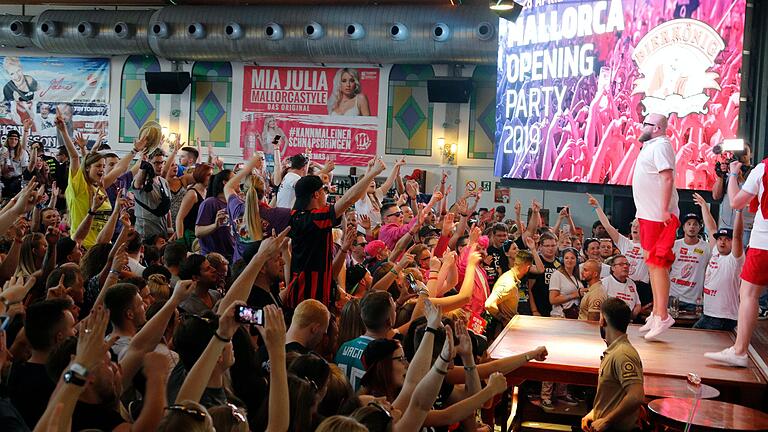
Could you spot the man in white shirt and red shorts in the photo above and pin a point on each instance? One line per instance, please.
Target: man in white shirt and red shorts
(754, 277)
(653, 188)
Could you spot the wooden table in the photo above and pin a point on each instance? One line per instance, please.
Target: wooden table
(575, 348)
(665, 387)
(709, 416)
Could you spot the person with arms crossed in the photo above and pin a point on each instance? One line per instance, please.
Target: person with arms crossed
(620, 384)
(620, 286)
(721, 282)
(754, 278)
(653, 189)
(589, 308)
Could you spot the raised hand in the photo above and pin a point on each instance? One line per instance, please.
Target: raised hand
(364, 221)
(448, 225)
(412, 188)
(27, 124)
(19, 229)
(227, 323)
(272, 246)
(433, 314)
(98, 199)
(593, 201)
(58, 291)
(699, 200)
(406, 260)
(449, 258)
(350, 233)
(474, 259)
(474, 234)
(182, 290)
(52, 236)
(464, 348)
(91, 346)
(16, 288)
(81, 142)
(449, 350)
(273, 330)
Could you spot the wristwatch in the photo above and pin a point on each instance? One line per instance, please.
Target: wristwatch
(76, 374)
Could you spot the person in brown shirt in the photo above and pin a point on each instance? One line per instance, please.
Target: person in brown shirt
(589, 309)
(620, 383)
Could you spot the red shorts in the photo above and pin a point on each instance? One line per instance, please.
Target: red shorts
(658, 238)
(755, 267)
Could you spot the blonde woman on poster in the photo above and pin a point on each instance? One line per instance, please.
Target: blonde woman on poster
(270, 131)
(347, 98)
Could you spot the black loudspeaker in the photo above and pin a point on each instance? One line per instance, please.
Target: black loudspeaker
(167, 82)
(449, 90)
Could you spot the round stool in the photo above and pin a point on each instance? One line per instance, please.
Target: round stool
(710, 415)
(665, 387)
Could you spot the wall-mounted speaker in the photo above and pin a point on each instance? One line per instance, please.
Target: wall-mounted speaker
(449, 90)
(167, 82)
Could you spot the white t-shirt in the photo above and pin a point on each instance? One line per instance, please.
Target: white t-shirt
(286, 195)
(721, 285)
(566, 286)
(626, 292)
(657, 155)
(687, 273)
(363, 207)
(754, 185)
(638, 270)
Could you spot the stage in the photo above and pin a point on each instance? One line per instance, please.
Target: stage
(575, 348)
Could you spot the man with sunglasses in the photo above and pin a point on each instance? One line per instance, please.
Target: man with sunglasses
(357, 252)
(653, 189)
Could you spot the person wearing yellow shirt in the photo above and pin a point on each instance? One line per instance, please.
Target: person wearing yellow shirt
(87, 179)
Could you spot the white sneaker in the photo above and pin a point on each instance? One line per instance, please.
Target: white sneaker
(648, 323)
(658, 327)
(728, 356)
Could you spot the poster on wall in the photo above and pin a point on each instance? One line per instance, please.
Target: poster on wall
(35, 89)
(330, 112)
(576, 79)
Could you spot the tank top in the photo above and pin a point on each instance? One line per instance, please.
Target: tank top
(191, 218)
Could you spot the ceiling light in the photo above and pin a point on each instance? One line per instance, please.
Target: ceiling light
(507, 9)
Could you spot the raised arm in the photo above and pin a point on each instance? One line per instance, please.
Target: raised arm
(106, 234)
(422, 359)
(231, 187)
(612, 231)
(358, 190)
(739, 197)
(85, 226)
(709, 220)
(387, 185)
(124, 163)
(196, 381)
(74, 156)
(273, 334)
(737, 246)
(166, 171)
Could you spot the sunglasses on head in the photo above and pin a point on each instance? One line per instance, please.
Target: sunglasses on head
(193, 412)
(381, 408)
(648, 124)
(397, 213)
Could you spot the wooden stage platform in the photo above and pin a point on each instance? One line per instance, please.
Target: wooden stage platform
(575, 348)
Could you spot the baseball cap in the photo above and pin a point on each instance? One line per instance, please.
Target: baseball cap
(304, 189)
(691, 216)
(723, 232)
(373, 248)
(427, 230)
(13, 132)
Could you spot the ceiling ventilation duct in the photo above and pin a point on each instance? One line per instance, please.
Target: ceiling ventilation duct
(115, 32)
(15, 31)
(348, 34)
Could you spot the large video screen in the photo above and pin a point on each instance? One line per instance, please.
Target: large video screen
(576, 78)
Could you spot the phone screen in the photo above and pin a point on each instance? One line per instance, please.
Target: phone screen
(411, 282)
(247, 315)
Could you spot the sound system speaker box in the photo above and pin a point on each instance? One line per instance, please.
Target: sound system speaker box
(167, 82)
(449, 90)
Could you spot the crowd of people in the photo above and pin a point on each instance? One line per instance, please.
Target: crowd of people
(161, 292)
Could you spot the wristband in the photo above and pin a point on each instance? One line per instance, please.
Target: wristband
(134, 151)
(91, 213)
(527, 357)
(441, 372)
(392, 270)
(443, 359)
(469, 368)
(114, 272)
(431, 330)
(221, 338)
(733, 174)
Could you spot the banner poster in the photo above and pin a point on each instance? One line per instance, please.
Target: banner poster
(36, 88)
(576, 79)
(331, 113)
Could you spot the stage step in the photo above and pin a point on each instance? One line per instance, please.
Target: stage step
(532, 426)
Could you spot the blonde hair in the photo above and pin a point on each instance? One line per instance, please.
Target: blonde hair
(159, 286)
(229, 418)
(310, 311)
(252, 215)
(27, 264)
(339, 423)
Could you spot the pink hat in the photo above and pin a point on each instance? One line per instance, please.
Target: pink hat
(373, 248)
